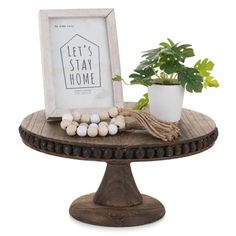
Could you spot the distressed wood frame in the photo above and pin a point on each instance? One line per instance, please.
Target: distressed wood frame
(52, 112)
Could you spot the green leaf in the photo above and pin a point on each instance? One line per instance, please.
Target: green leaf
(146, 63)
(204, 67)
(143, 66)
(169, 65)
(183, 47)
(135, 76)
(171, 42)
(146, 72)
(143, 102)
(164, 44)
(155, 50)
(188, 52)
(190, 80)
(117, 78)
(210, 82)
(143, 81)
(146, 96)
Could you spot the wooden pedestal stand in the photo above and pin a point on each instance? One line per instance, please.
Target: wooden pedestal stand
(118, 201)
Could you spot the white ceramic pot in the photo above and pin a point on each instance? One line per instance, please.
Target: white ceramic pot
(165, 101)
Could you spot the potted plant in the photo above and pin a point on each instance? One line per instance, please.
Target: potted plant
(167, 76)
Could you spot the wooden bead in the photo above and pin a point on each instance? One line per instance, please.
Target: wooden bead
(94, 118)
(112, 129)
(36, 142)
(67, 149)
(27, 136)
(31, 139)
(81, 131)
(84, 124)
(205, 142)
(43, 144)
(86, 152)
(76, 150)
(76, 116)
(50, 146)
(97, 153)
(85, 118)
(112, 121)
(92, 131)
(193, 147)
(120, 117)
(199, 144)
(129, 153)
(75, 123)
(58, 148)
(140, 153)
(160, 152)
(67, 116)
(103, 123)
(102, 130)
(185, 148)
(108, 153)
(215, 135)
(211, 138)
(71, 130)
(93, 125)
(150, 153)
(169, 152)
(64, 124)
(104, 115)
(178, 150)
(118, 153)
(113, 112)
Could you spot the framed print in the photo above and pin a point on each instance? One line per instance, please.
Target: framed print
(79, 57)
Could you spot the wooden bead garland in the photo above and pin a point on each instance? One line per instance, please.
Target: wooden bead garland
(103, 123)
(110, 122)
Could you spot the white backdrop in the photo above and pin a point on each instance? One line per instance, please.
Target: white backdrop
(198, 191)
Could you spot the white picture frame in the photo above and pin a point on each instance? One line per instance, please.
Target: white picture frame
(80, 57)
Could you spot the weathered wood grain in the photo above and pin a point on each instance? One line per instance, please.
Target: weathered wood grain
(198, 132)
(85, 210)
(118, 188)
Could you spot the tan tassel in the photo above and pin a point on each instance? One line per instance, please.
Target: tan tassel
(166, 131)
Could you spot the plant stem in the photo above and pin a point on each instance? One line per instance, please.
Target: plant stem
(125, 82)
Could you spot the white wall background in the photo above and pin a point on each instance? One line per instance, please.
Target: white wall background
(198, 191)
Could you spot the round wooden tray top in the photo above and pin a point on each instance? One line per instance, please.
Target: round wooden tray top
(198, 133)
(118, 201)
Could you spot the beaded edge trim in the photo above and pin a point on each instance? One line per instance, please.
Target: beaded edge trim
(102, 153)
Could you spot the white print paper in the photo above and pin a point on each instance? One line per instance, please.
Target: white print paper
(81, 63)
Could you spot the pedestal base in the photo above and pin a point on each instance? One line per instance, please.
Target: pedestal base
(84, 209)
